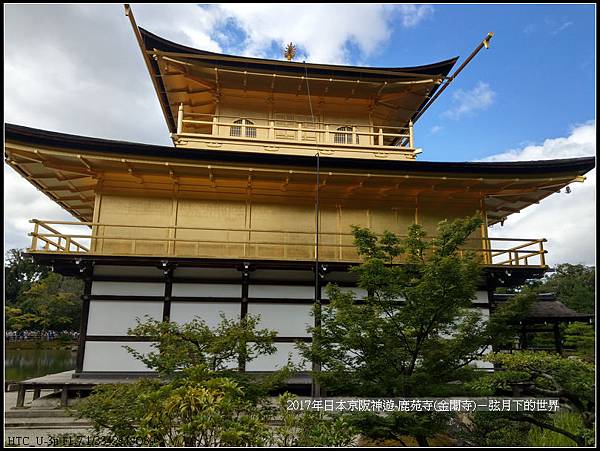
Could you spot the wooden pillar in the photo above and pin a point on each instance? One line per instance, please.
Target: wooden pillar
(180, 119)
(64, 397)
(557, 338)
(316, 365)
(36, 229)
(168, 292)
(85, 312)
(244, 306)
(21, 396)
(523, 336)
(36, 392)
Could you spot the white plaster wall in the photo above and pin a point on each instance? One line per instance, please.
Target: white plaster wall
(130, 271)
(111, 356)
(128, 288)
(115, 317)
(208, 273)
(289, 320)
(281, 291)
(184, 312)
(359, 293)
(278, 359)
(224, 290)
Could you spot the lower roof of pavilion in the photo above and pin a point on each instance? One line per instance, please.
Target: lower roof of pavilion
(70, 169)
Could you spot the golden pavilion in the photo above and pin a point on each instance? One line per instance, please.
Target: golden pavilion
(249, 212)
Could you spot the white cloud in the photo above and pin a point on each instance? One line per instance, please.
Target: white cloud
(568, 221)
(322, 32)
(478, 98)
(22, 202)
(78, 69)
(187, 24)
(436, 129)
(412, 15)
(562, 27)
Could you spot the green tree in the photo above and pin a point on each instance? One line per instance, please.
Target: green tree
(311, 428)
(37, 298)
(197, 400)
(415, 332)
(581, 337)
(574, 286)
(20, 272)
(15, 319)
(54, 303)
(483, 428)
(548, 375)
(187, 345)
(196, 409)
(415, 328)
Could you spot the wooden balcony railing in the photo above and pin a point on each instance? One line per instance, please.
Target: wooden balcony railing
(178, 241)
(291, 131)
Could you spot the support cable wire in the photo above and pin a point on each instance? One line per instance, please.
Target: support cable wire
(317, 188)
(316, 390)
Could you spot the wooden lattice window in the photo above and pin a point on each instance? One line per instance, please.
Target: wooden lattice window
(243, 129)
(344, 138)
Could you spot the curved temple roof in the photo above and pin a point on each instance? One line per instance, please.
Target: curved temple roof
(68, 169)
(196, 77)
(154, 42)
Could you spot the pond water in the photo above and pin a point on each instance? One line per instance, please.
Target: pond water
(21, 364)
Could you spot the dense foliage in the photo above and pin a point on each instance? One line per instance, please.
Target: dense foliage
(201, 400)
(574, 286)
(178, 346)
(539, 374)
(415, 331)
(415, 334)
(37, 299)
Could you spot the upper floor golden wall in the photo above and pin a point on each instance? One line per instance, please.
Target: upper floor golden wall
(291, 127)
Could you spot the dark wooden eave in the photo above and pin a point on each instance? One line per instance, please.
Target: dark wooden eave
(27, 135)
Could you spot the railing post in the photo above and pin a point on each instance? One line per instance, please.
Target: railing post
(411, 136)
(299, 131)
(68, 244)
(542, 252)
(215, 128)
(271, 130)
(36, 228)
(327, 137)
(354, 141)
(180, 119)
(380, 136)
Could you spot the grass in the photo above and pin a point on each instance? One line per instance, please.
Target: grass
(568, 421)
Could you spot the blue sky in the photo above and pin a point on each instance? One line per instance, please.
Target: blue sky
(539, 70)
(540, 66)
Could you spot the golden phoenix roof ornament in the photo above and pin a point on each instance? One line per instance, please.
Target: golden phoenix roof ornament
(290, 52)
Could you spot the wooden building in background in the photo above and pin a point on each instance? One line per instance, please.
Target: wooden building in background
(226, 219)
